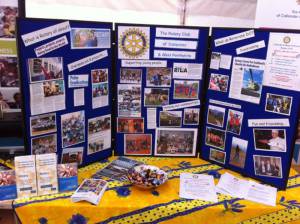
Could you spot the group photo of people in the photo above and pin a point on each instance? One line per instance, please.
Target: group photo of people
(278, 104)
(130, 75)
(86, 38)
(185, 89)
(43, 124)
(100, 89)
(138, 144)
(99, 75)
(130, 125)
(10, 98)
(159, 77)
(44, 144)
(8, 16)
(99, 124)
(215, 137)
(267, 166)
(218, 82)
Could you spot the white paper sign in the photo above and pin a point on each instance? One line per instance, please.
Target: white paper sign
(181, 105)
(233, 38)
(250, 47)
(78, 97)
(81, 80)
(189, 55)
(177, 44)
(225, 61)
(87, 60)
(177, 33)
(45, 33)
(144, 63)
(51, 46)
(225, 104)
(187, 71)
(269, 122)
(151, 118)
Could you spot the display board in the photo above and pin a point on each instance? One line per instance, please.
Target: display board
(66, 84)
(252, 102)
(160, 83)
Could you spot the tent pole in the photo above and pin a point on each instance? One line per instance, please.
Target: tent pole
(183, 12)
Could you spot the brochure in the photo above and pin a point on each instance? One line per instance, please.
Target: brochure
(8, 188)
(67, 177)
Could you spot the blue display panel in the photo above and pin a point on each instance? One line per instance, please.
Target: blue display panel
(252, 102)
(160, 83)
(66, 70)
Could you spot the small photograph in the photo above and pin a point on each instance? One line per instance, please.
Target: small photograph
(159, 77)
(99, 124)
(215, 115)
(252, 82)
(8, 20)
(270, 140)
(130, 75)
(87, 38)
(217, 156)
(9, 72)
(234, 121)
(218, 82)
(54, 88)
(269, 166)
(130, 125)
(137, 144)
(43, 69)
(99, 75)
(186, 89)
(191, 116)
(215, 137)
(7, 178)
(279, 104)
(67, 170)
(215, 60)
(43, 124)
(170, 118)
(72, 155)
(44, 144)
(10, 98)
(72, 128)
(95, 145)
(100, 89)
(129, 100)
(156, 97)
(238, 152)
(175, 142)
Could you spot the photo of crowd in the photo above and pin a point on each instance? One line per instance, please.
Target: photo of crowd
(170, 118)
(9, 72)
(215, 115)
(43, 124)
(217, 156)
(218, 82)
(54, 88)
(99, 124)
(130, 125)
(191, 116)
(7, 178)
(278, 104)
(270, 139)
(8, 16)
(138, 144)
(159, 77)
(215, 137)
(238, 152)
(99, 75)
(156, 97)
(130, 75)
(100, 89)
(72, 155)
(129, 100)
(72, 128)
(95, 145)
(184, 89)
(44, 144)
(234, 121)
(269, 166)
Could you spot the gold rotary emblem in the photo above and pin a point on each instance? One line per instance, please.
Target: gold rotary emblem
(134, 43)
(286, 39)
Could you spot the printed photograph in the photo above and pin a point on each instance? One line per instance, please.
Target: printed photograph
(44, 144)
(175, 141)
(234, 121)
(191, 116)
(8, 21)
(72, 155)
(170, 118)
(129, 100)
(10, 98)
(138, 144)
(215, 137)
(86, 38)
(9, 72)
(43, 124)
(218, 82)
(252, 82)
(72, 128)
(99, 124)
(100, 89)
(269, 166)
(156, 97)
(217, 156)
(270, 140)
(184, 89)
(99, 75)
(67, 170)
(130, 75)
(215, 60)
(160, 77)
(238, 152)
(278, 104)
(215, 115)
(54, 88)
(95, 145)
(130, 125)
(7, 178)
(43, 69)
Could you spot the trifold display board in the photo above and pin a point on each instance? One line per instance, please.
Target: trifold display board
(66, 83)
(252, 102)
(160, 83)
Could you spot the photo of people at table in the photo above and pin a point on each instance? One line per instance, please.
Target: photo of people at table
(267, 166)
(278, 104)
(270, 139)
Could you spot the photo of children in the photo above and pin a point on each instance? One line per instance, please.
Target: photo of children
(7, 178)
(54, 88)
(278, 104)
(252, 82)
(186, 89)
(175, 142)
(160, 77)
(154, 97)
(238, 152)
(72, 128)
(43, 69)
(43, 124)
(44, 144)
(138, 144)
(130, 125)
(99, 75)
(191, 116)
(269, 166)
(129, 100)
(234, 121)
(170, 118)
(270, 140)
(215, 137)
(217, 156)
(218, 82)
(130, 75)
(8, 21)
(215, 115)
(72, 155)
(9, 72)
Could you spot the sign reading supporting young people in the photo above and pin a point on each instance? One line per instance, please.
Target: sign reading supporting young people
(252, 102)
(66, 82)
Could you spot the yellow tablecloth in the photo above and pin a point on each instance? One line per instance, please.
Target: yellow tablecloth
(123, 203)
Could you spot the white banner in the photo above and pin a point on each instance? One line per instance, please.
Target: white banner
(181, 105)
(176, 44)
(269, 122)
(177, 33)
(143, 63)
(51, 46)
(250, 47)
(233, 38)
(190, 55)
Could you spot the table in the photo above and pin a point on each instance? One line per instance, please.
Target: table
(123, 203)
